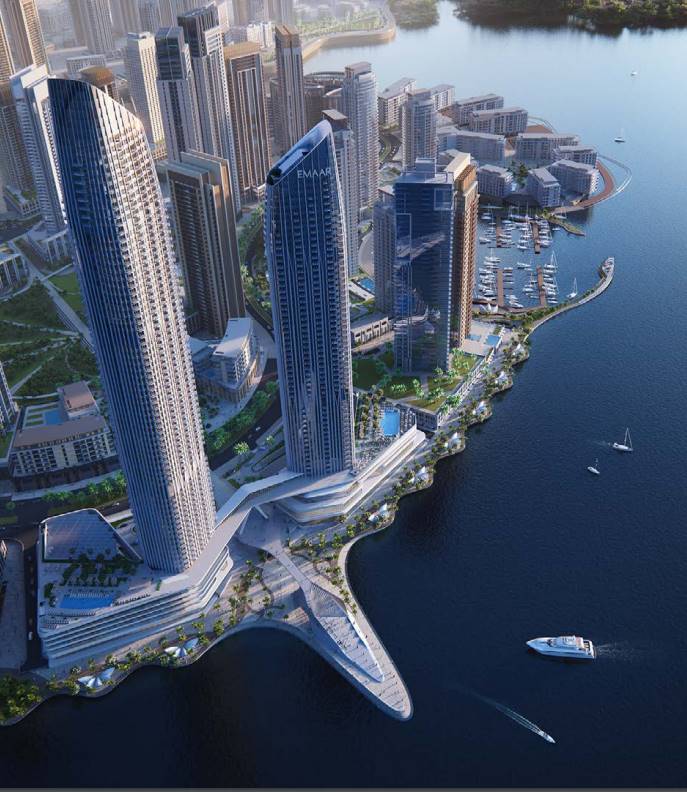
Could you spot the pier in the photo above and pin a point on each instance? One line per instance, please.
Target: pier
(540, 287)
(535, 236)
(500, 297)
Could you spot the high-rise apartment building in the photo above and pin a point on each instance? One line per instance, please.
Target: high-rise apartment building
(418, 127)
(141, 69)
(177, 93)
(423, 269)
(347, 167)
(23, 30)
(125, 16)
(464, 256)
(127, 276)
(290, 120)
(77, 22)
(8, 407)
(281, 12)
(6, 62)
(203, 34)
(245, 79)
(384, 249)
(149, 15)
(96, 23)
(14, 161)
(200, 188)
(30, 94)
(359, 95)
(304, 245)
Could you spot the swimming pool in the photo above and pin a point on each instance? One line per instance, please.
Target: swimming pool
(391, 423)
(367, 284)
(85, 603)
(493, 340)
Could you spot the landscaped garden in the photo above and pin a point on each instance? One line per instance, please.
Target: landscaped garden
(70, 291)
(33, 307)
(70, 361)
(17, 696)
(100, 494)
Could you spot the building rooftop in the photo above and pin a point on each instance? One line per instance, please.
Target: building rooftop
(498, 111)
(238, 331)
(81, 533)
(241, 49)
(397, 88)
(483, 98)
(76, 396)
(368, 319)
(480, 135)
(58, 432)
(571, 165)
(441, 87)
(497, 169)
(544, 135)
(97, 75)
(576, 147)
(544, 176)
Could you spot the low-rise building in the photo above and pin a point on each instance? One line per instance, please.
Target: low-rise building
(577, 177)
(8, 407)
(494, 181)
(77, 62)
(503, 121)
(13, 269)
(389, 101)
(233, 366)
(23, 202)
(369, 327)
(544, 187)
(538, 147)
(443, 95)
(579, 153)
(462, 109)
(52, 448)
(481, 146)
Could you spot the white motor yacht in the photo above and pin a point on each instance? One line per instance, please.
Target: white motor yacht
(565, 646)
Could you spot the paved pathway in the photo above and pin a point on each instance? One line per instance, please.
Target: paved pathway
(13, 613)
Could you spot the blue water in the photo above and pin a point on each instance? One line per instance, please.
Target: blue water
(85, 603)
(514, 540)
(493, 340)
(367, 283)
(391, 422)
(52, 417)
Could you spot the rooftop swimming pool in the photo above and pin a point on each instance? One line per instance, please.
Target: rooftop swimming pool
(85, 603)
(493, 340)
(391, 423)
(368, 284)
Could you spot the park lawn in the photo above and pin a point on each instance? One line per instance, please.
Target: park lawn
(407, 382)
(9, 333)
(11, 520)
(366, 375)
(33, 307)
(68, 285)
(15, 374)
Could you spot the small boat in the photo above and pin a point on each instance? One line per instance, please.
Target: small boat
(620, 138)
(634, 73)
(484, 240)
(565, 646)
(594, 468)
(573, 293)
(626, 445)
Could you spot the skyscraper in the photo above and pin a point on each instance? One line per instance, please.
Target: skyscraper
(96, 23)
(304, 245)
(6, 62)
(177, 93)
(347, 167)
(423, 269)
(359, 96)
(125, 17)
(8, 407)
(466, 206)
(23, 29)
(281, 12)
(203, 35)
(290, 105)
(149, 14)
(77, 22)
(418, 127)
(245, 79)
(14, 161)
(126, 272)
(30, 94)
(141, 69)
(200, 187)
(384, 250)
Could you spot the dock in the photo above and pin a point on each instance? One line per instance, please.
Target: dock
(535, 236)
(540, 286)
(500, 297)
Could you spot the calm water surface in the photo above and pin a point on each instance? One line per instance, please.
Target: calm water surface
(515, 539)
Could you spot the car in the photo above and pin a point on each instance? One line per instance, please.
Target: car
(30, 636)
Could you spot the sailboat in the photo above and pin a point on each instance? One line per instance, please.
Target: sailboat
(594, 468)
(573, 293)
(626, 445)
(621, 137)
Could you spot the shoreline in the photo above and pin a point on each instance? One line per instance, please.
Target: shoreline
(352, 38)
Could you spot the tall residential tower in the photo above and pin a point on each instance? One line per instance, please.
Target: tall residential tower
(359, 94)
(127, 274)
(304, 245)
(23, 30)
(289, 104)
(418, 127)
(141, 70)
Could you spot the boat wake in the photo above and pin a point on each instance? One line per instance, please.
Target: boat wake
(623, 651)
(521, 720)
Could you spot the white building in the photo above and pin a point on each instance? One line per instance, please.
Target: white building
(576, 177)
(463, 108)
(359, 96)
(538, 147)
(96, 23)
(30, 93)
(262, 33)
(8, 407)
(391, 99)
(13, 268)
(444, 96)
(481, 146)
(418, 127)
(544, 187)
(494, 181)
(235, 359)
(369, 327)
(141, 70)
(78, 62)
(135, 313)
(579, 153)
(504, 121)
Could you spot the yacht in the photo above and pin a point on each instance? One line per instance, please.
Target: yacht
(565, 646)
(620, 138)
(573, 293)
(594, 468)
(626, 445)
(484, 240)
